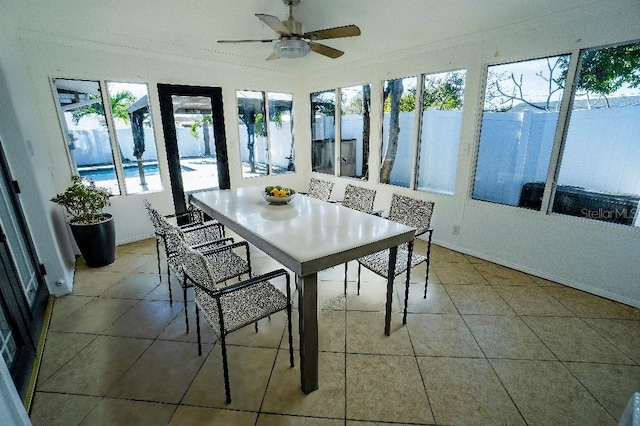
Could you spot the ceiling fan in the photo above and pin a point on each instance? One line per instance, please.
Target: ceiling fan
(293, 43)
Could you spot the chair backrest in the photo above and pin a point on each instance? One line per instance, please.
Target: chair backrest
(155, 218)
(173, 237)
(198, 273)
(197, 268)
(194, 214)
(410, 211)
(358, 198)
(174, 247)
(320, 189)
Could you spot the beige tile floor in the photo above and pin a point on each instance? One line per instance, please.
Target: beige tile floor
(489, 345)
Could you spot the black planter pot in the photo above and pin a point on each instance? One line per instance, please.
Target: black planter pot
(97, 241)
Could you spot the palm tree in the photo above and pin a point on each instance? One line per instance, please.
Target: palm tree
(120, 103)
(203, 122)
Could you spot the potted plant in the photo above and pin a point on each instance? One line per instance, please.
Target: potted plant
(93, 230)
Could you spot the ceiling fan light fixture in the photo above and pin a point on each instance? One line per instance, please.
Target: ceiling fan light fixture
(291, 48)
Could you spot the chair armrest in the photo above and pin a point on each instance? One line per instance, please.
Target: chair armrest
(197, 226)
(208, 227)
(193, 218)
(214, 244)
(424, 231)
(188, 226)
(226, 247)
(217, 294)
(253, 281)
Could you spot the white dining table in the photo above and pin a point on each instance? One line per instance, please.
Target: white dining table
(306, 236)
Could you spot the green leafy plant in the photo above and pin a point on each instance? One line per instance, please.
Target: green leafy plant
(84, 201)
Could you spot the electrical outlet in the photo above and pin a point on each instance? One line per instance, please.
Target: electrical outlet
(455, 230)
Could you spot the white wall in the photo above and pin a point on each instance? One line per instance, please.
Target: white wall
(47, 60)
(29, 163)
(597, 257)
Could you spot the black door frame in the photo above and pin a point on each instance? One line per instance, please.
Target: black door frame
(25, 320)
(165, 92)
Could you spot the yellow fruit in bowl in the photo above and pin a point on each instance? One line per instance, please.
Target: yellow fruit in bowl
(278, 191)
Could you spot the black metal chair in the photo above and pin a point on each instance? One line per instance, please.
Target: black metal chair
(206, 238)
(220, 252)
(361, 199)
(196, 233)
(233, 307)
(416, 214)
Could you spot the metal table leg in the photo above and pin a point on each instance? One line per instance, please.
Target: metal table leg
(308, 317)
(393, 254)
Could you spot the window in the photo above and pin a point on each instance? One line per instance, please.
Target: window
(118, 151)
(398, 128)
(599, 176)
(266, 141)
(431, 151)
(323, 131)
(519, 122)
(196, 145)
(253, 133)
(355, 128)
(281, 132)
(442, 99)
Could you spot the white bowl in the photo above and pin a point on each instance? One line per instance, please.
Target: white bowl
(278, 200)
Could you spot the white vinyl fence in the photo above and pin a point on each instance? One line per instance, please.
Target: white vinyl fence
(602, 150)
(280, 145)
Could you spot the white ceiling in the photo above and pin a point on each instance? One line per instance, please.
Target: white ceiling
(190, 28)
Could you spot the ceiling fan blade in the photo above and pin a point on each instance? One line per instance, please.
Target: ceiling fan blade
(248, 41)
(272, 57)
(337, 32)
(325, 50)
(274, 23)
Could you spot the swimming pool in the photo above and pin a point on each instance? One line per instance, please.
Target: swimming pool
(101, 173)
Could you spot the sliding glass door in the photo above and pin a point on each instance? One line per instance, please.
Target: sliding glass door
(193, 126)
(23, 294)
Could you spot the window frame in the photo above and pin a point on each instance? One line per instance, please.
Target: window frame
(337, 125)
(551, 185)
(111, 131)
(416, 142)
(266, 111)
(559, 141)
(560, 128)
(420, 99)
(417, 121)
(336, 112)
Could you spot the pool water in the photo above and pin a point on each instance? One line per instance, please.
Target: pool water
(101, 173)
